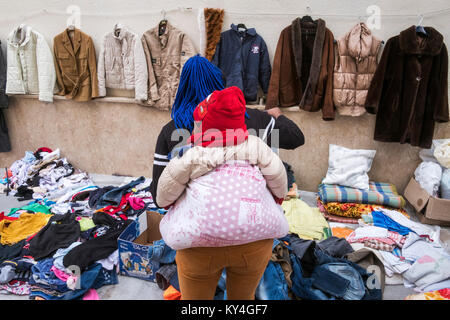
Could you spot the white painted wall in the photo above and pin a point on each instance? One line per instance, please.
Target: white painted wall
(98, 17)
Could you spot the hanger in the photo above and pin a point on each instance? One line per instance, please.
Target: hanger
(117, 28)
(162, 23)
(420, 29)
(241, 25)
(71, 27)
(307, 17)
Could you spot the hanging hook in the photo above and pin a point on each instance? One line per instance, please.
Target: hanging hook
(421, 20)
(308, 10)
(163, 12)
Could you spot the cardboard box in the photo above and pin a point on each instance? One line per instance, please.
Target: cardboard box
(431, 210)
(135, 244)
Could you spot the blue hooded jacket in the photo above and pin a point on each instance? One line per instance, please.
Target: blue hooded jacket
(244, 60)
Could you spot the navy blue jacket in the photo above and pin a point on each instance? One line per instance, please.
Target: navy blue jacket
(244, 61)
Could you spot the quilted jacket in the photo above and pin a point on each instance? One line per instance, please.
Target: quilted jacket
(30, 64)
(122, 64)
(356, 59)
(198, 161)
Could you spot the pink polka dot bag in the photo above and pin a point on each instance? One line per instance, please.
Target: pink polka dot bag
(230, 205)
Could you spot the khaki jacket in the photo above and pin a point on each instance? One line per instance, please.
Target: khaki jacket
(166, 56)
(198, 161)
(76, 66)
(356, 59)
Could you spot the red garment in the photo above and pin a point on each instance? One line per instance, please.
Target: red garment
(3, 217)
(43, 149)
(222, 117)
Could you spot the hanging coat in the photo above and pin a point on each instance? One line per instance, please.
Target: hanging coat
(244, 60)
(409, 89)
(76, 66)
(121, 63)
(166, 55)
(30, 64)
(5, 144)
(356, 60)
(302, 71)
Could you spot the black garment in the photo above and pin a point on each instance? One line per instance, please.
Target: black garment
(95, 195)
(290, 174)
(3, 97)
(97, 248)
(304, 250)
(244, 60)
(60, 232)
(5, 143)
(10, 252)
(258, 122)
(335, 247)
(24, 193)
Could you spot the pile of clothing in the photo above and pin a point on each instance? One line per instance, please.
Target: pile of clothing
(62, 244)
(412, 253)
(347, 205)
(433, 173)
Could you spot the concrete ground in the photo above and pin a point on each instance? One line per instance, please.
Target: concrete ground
(130, 288)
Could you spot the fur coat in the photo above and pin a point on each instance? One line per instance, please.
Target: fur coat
(409, 89)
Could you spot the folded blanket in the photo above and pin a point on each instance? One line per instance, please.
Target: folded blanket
(378, 193)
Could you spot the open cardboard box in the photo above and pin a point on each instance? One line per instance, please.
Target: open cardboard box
(135, 247)
(430, 210)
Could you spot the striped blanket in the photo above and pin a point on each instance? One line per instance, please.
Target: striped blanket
(378, 193)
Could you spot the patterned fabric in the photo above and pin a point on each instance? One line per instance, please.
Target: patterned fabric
(334, 218)
(378, 193)
(379, 245)
(389, 243)
(353, 210)
(443, 294)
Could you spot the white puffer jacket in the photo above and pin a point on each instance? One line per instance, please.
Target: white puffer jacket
(122, 64)
(31, 68)
(198, 161)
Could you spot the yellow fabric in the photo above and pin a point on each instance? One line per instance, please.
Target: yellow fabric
(306, 222)
(26, 225)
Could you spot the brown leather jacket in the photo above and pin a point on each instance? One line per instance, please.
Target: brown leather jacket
(76, 65)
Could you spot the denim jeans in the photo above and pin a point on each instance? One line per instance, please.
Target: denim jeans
(93, 277)
(339, 280)
(162, 253)
(273, 285)
(114, 196)
(43, 276)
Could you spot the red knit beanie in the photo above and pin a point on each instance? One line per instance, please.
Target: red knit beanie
(222, 117)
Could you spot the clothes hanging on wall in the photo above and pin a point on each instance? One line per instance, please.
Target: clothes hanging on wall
(30, 64)
(303, 68)
(76, 65)
(4, 102)
(356, 60)
(243, 57)
(166, 55)
(409, 89)
(122, 64)
(5, 144)
(210, 24)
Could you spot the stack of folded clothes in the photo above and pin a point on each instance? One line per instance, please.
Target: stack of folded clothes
(347, 205)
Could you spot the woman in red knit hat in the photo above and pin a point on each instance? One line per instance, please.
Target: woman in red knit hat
(224, 195)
